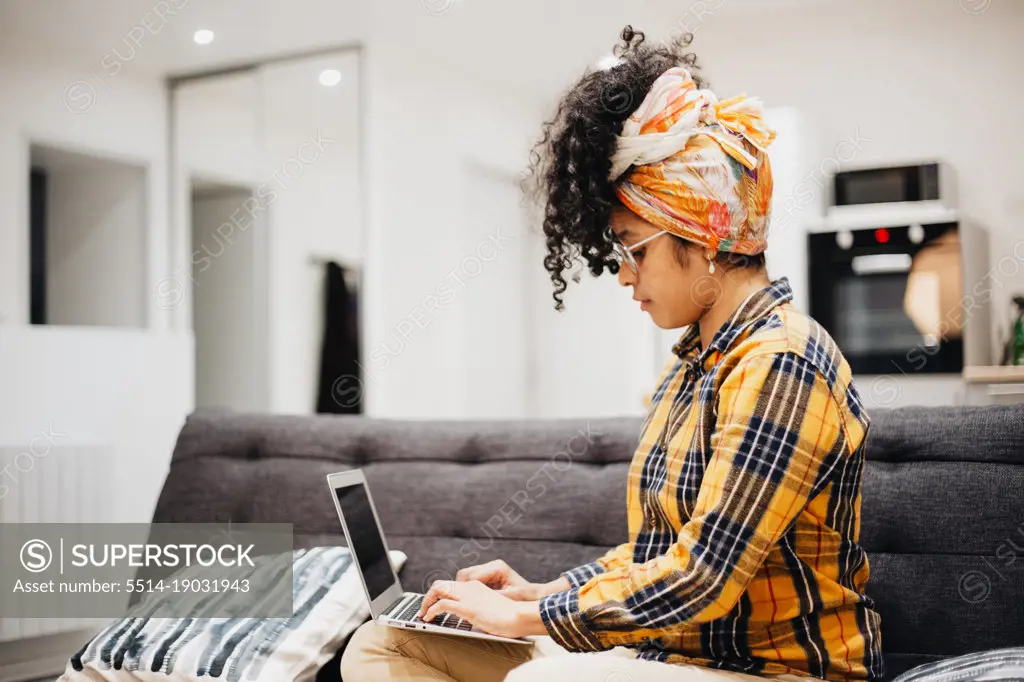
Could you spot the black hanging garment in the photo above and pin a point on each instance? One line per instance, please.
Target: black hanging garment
(341, 384)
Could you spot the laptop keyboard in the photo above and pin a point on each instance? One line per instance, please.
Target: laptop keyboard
(444, 620)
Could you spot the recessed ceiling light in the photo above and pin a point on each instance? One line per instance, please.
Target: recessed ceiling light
(330, 77)
(203, 36)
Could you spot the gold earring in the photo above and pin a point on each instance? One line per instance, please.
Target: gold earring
(711, 264)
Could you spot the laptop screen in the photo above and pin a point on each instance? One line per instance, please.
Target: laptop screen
(367, 543)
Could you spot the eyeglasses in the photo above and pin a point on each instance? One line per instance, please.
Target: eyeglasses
(624, 254)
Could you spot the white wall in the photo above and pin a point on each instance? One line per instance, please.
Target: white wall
(217, 131)
(116, 397)
(886, 73)
(426, 124)
(598, 357)
(95, 245)
(54, 373)
(126, 122)
(875, 83)
(125, 391)
(900, 78)
(312, 147)
(903, 77)
(230, 369)
(216, 139)
(495, 302)
(297, 142)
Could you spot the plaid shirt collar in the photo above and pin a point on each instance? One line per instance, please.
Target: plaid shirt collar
(758, 305)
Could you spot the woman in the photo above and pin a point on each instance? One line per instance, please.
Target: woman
(742, 559)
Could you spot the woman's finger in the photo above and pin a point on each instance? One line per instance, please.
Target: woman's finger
(468, 573)
(441, 589)
(443, 606)
(515, 593)
(428, 600)
(491, 571)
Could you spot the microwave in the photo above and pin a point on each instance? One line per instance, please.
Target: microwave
(903, 297)
(911, 183)
(880, 196)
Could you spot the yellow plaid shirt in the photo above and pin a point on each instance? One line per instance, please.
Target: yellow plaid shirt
(744, 512)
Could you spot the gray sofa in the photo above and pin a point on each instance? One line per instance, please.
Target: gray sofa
(943, 506)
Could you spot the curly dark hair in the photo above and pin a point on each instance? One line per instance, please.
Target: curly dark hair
(568, 173)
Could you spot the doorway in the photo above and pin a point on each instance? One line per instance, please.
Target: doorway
(229, 307)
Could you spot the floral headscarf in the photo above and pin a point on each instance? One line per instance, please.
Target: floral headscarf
(697, 167)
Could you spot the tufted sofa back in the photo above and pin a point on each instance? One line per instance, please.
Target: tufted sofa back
(450, 494)
(942, 502)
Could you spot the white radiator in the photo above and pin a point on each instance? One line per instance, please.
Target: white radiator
(51, 479)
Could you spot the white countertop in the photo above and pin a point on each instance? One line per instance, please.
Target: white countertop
(994, 374)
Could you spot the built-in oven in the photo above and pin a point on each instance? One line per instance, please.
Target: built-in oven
(902, 297)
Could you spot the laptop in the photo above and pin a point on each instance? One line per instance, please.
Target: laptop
(389, 604)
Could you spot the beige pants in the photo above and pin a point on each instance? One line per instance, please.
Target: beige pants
(377, 653)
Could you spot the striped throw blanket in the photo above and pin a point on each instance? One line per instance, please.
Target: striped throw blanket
(986, 666)
(329, 603)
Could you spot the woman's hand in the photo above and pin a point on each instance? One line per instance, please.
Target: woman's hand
(498, 575)
(486, 609)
